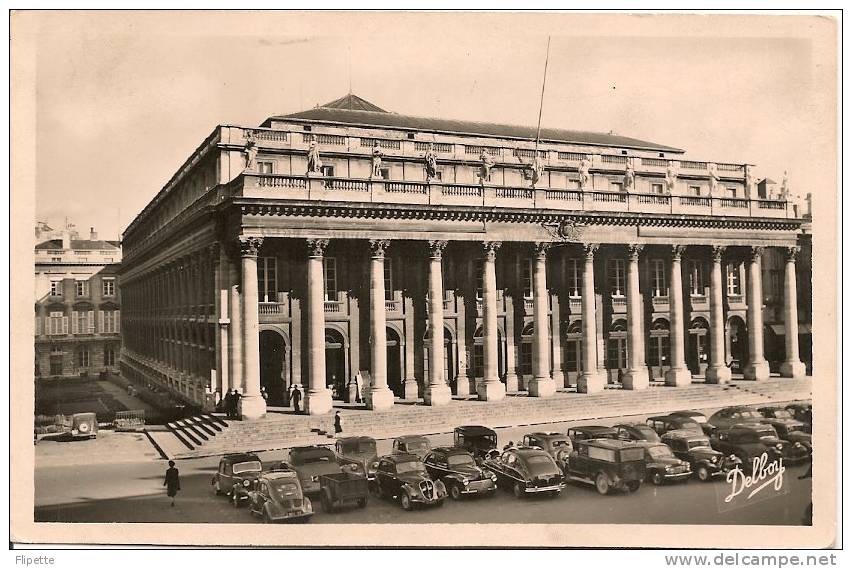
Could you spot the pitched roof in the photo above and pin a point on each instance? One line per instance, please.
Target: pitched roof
(354, 110)
(78, 244)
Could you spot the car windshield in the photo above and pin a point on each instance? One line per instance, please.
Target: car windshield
(284, 489)
(417, 445)
(781, 414)
(647, 433)
(539, 463)
(660, 451)
(749, 437)
(410, 466)
(560, 443)
(793, 428)
(698, 418)
(460, 460)
(248, 466)
(749, 414)
(359, 447)
(696, 443)
(314, 456)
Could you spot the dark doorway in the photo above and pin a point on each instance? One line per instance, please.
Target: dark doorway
(737, 343)
(699, 346)
(449, 359)
(658, 349)
(273, 366)
(335, 363)
(394, 363)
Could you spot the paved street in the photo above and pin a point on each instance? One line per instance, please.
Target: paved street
(124, 491)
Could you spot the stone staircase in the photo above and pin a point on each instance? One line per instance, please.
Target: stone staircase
(198, 430)
(278, 430)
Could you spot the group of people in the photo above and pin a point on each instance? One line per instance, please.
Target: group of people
(231, 404)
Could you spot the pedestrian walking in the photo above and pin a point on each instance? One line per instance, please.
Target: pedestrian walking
(338, 423)
(297, 398)
(227, 404)
(172, 481)
(237, 397)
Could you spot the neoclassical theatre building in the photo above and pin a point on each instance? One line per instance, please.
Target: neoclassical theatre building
(436, 258)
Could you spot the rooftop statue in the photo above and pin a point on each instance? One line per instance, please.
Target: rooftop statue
(629, 176)
(376, 161)
(487, 162)
(314, 162)
(431, 159)
(671, 178)
(537, 168)
(250, 152)
(585, 176)
(749, 182)
(714, 178)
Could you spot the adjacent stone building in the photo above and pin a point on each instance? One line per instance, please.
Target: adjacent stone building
(443, 257)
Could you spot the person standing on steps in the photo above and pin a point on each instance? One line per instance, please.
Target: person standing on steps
(227, 404)
(338, 423)
(237, 397)
(297, 398)
(172, 481)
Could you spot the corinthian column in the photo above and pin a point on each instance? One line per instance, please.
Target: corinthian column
(252, 405)
(542, 384)
(757, 367)
(590, 379)
(490, 389)
(318, 397)
(717, 371)
(637, 373)
(792, 365)
(379, 396)
(678, 374)
(437, 392)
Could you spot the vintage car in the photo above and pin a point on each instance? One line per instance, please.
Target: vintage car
(637, 432)
(311, 462)
(458, 471)
(358, 454)
(661, 465)
(589, 432)
(729, 416)
(608, 464)
(745, 444)
(403, 477)
(792, 452)
(695, 449)
(527, 470)
(802, 412)
(343, 489)
(412, 444)
(698, 417)
(788, 428)
(237, 472)
(278, 496)
(662, 424)
(475, 439)
(84, 426)
(555, 444)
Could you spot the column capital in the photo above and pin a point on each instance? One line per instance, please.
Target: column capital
(717, 252)
(250, 246)
(755, 252)
(213, 249)
(317, 247)
(378, 248)
(792, 253)
(436, 248)
(677, 252)
(589, 250)
(634, 249)
(541, 248)
(490, 249)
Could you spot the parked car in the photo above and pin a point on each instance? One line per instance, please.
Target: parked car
(456, 468)
(802, 412)
(555, 444)
(403, 477)
(729, 416)
(661, 424)
(278, 496)
(699, 418)
(745, 444)
(637, 432)
(237, 472)
(695, 449)
(412, 444)
(527, 470)
(589, 432)
(661, 465)
(311, 462)
(358, 454)
(475, 439)
(343, 489)
(792, 452)
(84, 426)
(608, 464)
(791, 430)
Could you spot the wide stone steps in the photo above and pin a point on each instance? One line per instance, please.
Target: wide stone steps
(279, 431)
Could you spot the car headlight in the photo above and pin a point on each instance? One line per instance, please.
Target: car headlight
(246, 483)
(439, 486)
(374, 465)
(465, 481)
(798, 445)
(779, 446)
(733, 457)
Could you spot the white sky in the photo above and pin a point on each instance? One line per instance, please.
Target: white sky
(123, 98)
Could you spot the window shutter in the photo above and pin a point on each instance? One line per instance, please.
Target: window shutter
(101, 328)
(38, 325)
(90, 321)
(116, 320)
(64, 324)
(75, 322)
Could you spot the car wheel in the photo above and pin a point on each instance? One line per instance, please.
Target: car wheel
(602, 483)
(634, 485)
(405, 501)
(657, 478)
(518, 490)
(455, 492)
(703, 473)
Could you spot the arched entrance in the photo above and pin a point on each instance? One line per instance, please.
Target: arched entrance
(699, 346)
(737, 340)
(274, 366)
(616, 349)
(335, 362)
(658, 353)
(449, 358)
(394, 362)
(573, 351)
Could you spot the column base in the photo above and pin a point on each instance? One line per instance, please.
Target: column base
(437, 394)
(379, 398)
(512, 382)
(491, 390)
(252, 407)
(558, 378)
(756, 371)
(410, 389)
(635, 379)
(318, 402)
(591, 383)
(718, 374)
(678, 377)
(793, 369)
(463, 386)
(541, 387)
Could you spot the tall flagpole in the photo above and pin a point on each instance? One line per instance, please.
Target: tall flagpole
(541, 101)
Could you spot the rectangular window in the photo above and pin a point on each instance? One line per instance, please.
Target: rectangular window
(733, 279)
(658, 278)
(82, 322)
(438, 176)
(732, 192)
(384, 173)
(656, 188)
(575, 278)
(327, 171)
(696, 278)
(329, 265)
(616, 186)
(109, 357)
(56, 365)
(109, 287)
(265, 167)
(55, 288)
(526, 358)
(56, 259)
(83, 358)
(615, 270)
(480, 284)
(109, 321)
(57, 323)
(527, 278)
(388, 279)
(267, 279)
(695, 190)
(81, 287)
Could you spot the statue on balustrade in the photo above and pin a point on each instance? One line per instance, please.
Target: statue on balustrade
(377, 161)
(250, 151)
(749, 182)
(537, 170)
(629, 176)
(486, 163)
(431, 159)
(785, 188)
(314, 162)
(671, 178)
(714, 178)
(585, 175)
